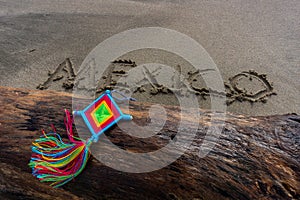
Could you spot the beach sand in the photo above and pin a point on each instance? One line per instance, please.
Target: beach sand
(264, 36)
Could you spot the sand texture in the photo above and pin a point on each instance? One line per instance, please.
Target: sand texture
(245, 39)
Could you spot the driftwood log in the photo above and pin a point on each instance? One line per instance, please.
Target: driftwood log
(254, 158)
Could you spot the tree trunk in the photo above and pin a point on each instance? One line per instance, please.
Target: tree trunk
(254, 158)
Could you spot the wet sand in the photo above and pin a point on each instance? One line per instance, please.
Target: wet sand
(262, 36)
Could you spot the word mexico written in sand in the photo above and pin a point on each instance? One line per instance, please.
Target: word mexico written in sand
(245, 86)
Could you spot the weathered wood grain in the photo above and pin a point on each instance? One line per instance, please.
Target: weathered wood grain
(255, 157)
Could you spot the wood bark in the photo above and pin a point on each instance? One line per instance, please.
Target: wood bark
(254, 157)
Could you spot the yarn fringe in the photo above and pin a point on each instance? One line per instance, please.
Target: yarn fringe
(55, 161)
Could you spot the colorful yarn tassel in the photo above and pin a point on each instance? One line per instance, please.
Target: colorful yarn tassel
(58, 162)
